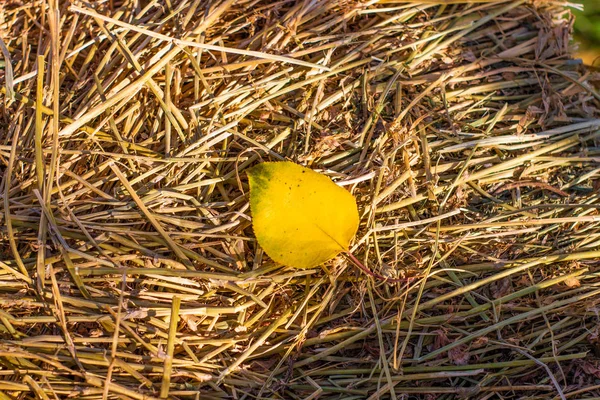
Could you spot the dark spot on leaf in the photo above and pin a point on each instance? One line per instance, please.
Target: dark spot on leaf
(260, 171)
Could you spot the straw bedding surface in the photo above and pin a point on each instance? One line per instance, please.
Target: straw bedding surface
(463, 128)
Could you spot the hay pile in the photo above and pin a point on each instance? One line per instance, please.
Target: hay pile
(469, 137)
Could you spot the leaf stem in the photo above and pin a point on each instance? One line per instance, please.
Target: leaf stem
(372, 274)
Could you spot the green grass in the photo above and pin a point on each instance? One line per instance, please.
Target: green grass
(587, 23)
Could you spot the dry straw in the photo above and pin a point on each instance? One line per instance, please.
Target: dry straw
(128, 265)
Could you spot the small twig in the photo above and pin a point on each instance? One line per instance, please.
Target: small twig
(543, 185)
(550, 374)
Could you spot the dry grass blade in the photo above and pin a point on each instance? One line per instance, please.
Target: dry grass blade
(128, 265)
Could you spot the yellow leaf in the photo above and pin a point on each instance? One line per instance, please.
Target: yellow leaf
(300, 217)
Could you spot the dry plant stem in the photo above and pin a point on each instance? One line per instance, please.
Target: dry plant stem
(6, 180)
(510, 186)
(174, 320)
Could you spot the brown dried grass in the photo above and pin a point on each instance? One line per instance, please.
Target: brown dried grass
(129, 269)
